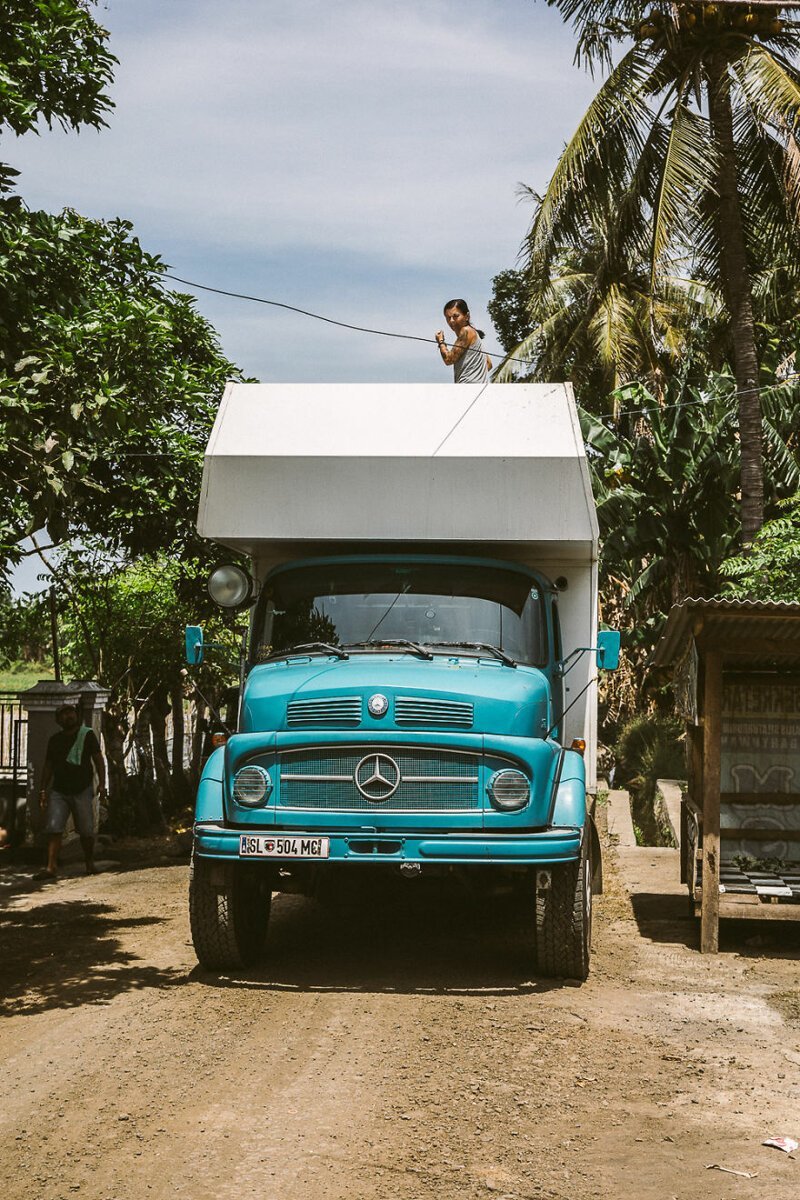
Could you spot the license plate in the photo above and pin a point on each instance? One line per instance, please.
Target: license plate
(262, 846)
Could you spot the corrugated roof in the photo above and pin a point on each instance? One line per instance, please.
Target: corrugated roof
(739, 622)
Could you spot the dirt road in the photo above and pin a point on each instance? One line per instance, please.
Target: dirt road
(399, 1050)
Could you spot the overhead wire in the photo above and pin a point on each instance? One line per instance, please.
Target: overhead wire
(498, 353)
(410, 337)
(611, 416)
(622, 113)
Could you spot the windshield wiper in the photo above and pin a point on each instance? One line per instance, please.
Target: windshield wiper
(314, 647)
(495, 650)
(404, 642)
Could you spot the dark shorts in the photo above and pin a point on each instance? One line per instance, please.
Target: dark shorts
(79, 806)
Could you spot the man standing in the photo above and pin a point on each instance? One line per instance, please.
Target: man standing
(68, 768)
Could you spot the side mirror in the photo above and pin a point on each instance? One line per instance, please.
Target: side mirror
(194, 645)
(608, 649)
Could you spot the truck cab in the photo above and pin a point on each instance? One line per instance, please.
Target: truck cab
(406, 706)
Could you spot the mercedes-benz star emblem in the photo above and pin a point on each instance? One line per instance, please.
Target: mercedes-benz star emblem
(377, 705)
(377, 777)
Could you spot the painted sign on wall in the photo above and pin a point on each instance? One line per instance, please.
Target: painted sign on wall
(761, 757)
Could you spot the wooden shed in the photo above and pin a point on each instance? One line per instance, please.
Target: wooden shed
(736, 667)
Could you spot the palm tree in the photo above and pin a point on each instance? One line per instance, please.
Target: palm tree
(591, 318)
(695, 130)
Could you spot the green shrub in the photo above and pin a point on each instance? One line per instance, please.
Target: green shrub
(649, 748)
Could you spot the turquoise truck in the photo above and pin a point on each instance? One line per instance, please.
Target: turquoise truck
(418, 683)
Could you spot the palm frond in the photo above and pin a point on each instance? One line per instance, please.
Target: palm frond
(654, 572)
(787, 474)
(599, 24)
(688, 170)
(608, 136)
(610, 328)
(791, 175)
(516, 360)
(771, 87)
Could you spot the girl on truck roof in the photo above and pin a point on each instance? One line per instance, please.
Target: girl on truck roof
(469, 360)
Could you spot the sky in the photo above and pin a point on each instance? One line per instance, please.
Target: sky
(359, 159)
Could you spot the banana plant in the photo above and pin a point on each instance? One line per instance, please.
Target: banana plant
(665, 477)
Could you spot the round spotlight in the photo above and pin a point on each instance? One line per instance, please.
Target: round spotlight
(509, 790)
(230, 586)
(251, 786)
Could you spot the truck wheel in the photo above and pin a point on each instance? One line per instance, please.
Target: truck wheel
(564, 919)
(229, 906)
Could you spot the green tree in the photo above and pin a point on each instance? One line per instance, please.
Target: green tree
(695, 128)
(591, 318)
(771, 570)
(108, 384)
(24, 630)
(508, 309)
(54, 65)
(122, 624)
(664, 476)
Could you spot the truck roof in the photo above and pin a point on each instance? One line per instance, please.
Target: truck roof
(431, 465)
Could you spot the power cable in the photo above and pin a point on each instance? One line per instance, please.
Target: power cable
(625, 412)
(633, 412)
(305, 312)
(410, 337)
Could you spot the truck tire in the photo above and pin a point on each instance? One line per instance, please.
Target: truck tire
(564, 919)
(229, 905)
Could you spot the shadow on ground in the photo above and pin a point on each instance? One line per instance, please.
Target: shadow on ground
(17, 875)
(69, 953)
(668, 919)
(412, 940)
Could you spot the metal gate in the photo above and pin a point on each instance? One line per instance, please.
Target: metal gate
(13, 757)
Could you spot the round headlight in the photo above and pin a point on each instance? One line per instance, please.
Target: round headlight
(252, 786)
(230, 586)
(509, 790)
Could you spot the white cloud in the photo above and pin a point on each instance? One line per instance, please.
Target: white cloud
(383, 140)
(396, 127)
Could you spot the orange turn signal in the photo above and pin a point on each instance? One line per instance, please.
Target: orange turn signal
(218, 739)
(578, 744)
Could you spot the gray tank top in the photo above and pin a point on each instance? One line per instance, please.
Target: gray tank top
(471, 367)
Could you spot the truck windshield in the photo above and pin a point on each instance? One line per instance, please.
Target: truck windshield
(432, 604)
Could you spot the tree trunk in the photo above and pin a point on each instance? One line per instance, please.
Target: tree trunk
(115, 726)
(149, 812)
(157, 711)
(738, 293)
(180, 784)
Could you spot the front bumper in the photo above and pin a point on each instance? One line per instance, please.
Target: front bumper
(553, 845)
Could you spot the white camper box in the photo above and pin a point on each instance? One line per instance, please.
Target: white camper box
(499, 471)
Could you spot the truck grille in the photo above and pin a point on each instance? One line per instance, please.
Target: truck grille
(423, 713)
(332, 712)
(324, 778)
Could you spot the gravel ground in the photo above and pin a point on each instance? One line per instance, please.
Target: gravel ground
(399, 1048)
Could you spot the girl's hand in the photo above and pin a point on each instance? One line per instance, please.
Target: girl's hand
(439, 335)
